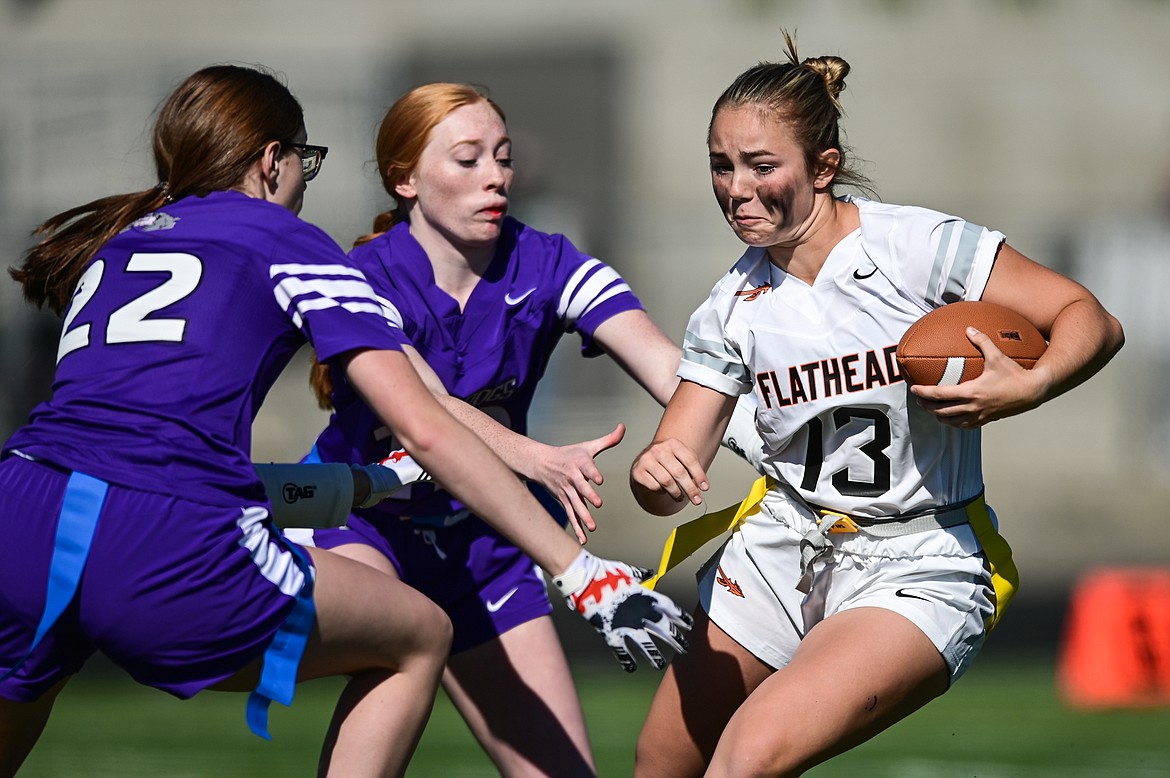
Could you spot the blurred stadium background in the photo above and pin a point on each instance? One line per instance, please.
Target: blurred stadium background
(1045, 119)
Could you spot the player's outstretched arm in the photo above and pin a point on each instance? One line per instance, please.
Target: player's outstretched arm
(567, 472)
(643, 351)
(570, 474)
(456, 457)
(468, 469)
(323, 494)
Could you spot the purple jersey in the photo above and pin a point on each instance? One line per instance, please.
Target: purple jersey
(493, 353)
(176, 332)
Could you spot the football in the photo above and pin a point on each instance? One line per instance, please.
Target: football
(936, 351)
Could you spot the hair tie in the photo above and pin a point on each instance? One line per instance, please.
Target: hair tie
(165, 188)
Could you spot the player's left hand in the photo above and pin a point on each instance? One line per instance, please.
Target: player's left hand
(610, 596)
(1003, 389)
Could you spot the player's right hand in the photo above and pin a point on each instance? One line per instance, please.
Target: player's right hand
(569, 474)
(1003, 389)
(668, 467)
(610, 596)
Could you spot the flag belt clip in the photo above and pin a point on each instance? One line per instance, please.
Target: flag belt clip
(815, 545)
(896, 525)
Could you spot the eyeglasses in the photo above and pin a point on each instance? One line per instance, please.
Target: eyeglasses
(311, 158)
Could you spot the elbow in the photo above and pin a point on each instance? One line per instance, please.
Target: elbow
(427, 428)
(1111, 340)
(1116, 336)
(423, 434)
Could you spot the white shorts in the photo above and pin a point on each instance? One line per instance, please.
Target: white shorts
(938, 579)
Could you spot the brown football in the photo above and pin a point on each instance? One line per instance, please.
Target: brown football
(936, 351)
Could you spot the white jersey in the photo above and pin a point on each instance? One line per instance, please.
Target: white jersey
(838, 423)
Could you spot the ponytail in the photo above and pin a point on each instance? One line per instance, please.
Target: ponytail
(804, 94)
(320, 378)
(383, 223)
(321, 383)
(207, 134)
(69, 240)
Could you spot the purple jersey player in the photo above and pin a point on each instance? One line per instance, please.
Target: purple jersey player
(491, 353)
(484, 300)
(134, 522)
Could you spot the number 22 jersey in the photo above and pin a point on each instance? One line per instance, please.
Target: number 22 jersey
(178, 328)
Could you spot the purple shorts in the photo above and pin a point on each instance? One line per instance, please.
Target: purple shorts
(170, 591)
(485, 584)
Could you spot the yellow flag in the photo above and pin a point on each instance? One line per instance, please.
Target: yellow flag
(688, 538)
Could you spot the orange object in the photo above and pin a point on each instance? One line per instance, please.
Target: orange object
(1115, 650)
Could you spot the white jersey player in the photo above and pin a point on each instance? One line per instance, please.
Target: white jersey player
(865, 579)
(837, 424)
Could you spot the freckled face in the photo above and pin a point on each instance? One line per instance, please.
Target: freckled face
(760, 178)
(459, 190)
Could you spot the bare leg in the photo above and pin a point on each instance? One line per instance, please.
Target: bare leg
(699, 693)
(854, 675)
(21, 724)
(517, 696)
(398, 640)
(394, 643)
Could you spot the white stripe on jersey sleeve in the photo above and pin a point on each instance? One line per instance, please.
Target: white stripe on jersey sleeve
(712, 355)
(315, 287)
(390, 311)
(954, 259)
(356, 306)
(321, 303)
(581, 293)
(300, 269)
(612, 291)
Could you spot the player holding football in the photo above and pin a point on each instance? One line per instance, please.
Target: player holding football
(484, 300)
(865, 583)
(134, 523)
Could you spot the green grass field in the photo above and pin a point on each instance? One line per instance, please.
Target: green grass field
(1003, 720)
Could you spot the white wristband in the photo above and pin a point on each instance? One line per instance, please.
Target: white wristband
(576, 576)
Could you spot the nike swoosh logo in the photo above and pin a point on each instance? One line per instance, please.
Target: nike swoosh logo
(510, 300)
(907, 595)
(858, 275)
(495, 605)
